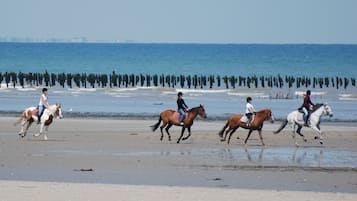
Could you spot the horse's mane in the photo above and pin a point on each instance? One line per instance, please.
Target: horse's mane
(262, 111)
(194, 109)
(316, 107)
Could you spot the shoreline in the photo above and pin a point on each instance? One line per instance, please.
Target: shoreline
(119, 116)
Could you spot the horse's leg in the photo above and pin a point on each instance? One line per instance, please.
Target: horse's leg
(293, 133)
(317, 126)
(182, 131)
(231, 133)
(164, 123)
(298, 131)
(27, 127)
(41, 130)
(167, 130)
(45, 133)
(319, 131)
(246, 139)
(22, 128)
(261, 137)
(189, 133)
(226, 133)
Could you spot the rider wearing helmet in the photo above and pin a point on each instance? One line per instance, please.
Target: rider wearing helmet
(306, 106)
(249, 111)
(181, 107)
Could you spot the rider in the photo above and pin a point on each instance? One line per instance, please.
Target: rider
(249, 111)
(43, 104)
(306, 106)
(181, 107)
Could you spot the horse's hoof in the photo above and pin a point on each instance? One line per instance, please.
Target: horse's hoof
(169, 139)
(222, 140)
(305, 140)
(160, 139)
(321, 142)
(36, 135)
(178, 142)
(316, 137)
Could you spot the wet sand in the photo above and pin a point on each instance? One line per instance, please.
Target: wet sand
(107, 156)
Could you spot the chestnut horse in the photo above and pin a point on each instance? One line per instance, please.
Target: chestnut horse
(234, 122)
(169, 118)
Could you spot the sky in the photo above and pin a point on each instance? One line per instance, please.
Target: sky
(183, 21)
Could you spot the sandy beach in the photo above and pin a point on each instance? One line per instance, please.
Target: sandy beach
(92, 159)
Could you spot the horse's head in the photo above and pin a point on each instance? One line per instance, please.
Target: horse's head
(58, 111)
(327, 110)
(269, 115)
(201, 111)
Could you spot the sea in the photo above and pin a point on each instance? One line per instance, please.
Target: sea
(310, 60)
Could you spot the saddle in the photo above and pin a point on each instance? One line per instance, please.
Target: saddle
(300, 110)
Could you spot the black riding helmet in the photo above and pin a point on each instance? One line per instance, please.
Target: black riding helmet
(308, 92)
(249, 99)
(180, 94)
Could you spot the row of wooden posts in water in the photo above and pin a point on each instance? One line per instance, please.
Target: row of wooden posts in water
(113, 79)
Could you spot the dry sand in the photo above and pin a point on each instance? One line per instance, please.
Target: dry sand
(123, 160)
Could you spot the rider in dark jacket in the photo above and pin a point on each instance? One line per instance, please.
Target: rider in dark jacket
(306, 106)
(181, 107)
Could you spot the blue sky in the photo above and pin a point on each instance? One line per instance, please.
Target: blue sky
(190, 21)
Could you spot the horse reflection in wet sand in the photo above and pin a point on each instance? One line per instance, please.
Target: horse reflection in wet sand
(169, 118)
(234, 122)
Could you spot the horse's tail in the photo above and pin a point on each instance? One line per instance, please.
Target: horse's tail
(19, 120)
(155, 126)
(281, 127)
(223, 129)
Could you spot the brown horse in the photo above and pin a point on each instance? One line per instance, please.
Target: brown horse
(234, 122)
(170, 117)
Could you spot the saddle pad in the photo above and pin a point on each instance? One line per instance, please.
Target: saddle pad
(34, 112)
(244, 119)
(176, 116)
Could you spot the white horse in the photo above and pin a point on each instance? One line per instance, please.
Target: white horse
(295, 118)
(30, 115)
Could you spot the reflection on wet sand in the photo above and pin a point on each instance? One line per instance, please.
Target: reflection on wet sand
(252, 156)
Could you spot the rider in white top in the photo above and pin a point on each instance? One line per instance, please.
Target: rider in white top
(43, 104)
(249, 111)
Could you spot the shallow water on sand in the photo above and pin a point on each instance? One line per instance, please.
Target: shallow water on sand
(237, 158)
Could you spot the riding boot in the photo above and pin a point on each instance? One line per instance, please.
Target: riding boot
(306, 124)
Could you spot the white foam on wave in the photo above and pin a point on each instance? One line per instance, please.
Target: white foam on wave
(315, 93)
(345, 95)
(118, 90)
(82, 90)
(204, 91)
(251, 94)
(347, 99)
(26, 89)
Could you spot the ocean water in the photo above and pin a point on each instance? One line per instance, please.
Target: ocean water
(187, 59)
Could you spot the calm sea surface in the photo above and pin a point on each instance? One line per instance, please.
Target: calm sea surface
(187, 59)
